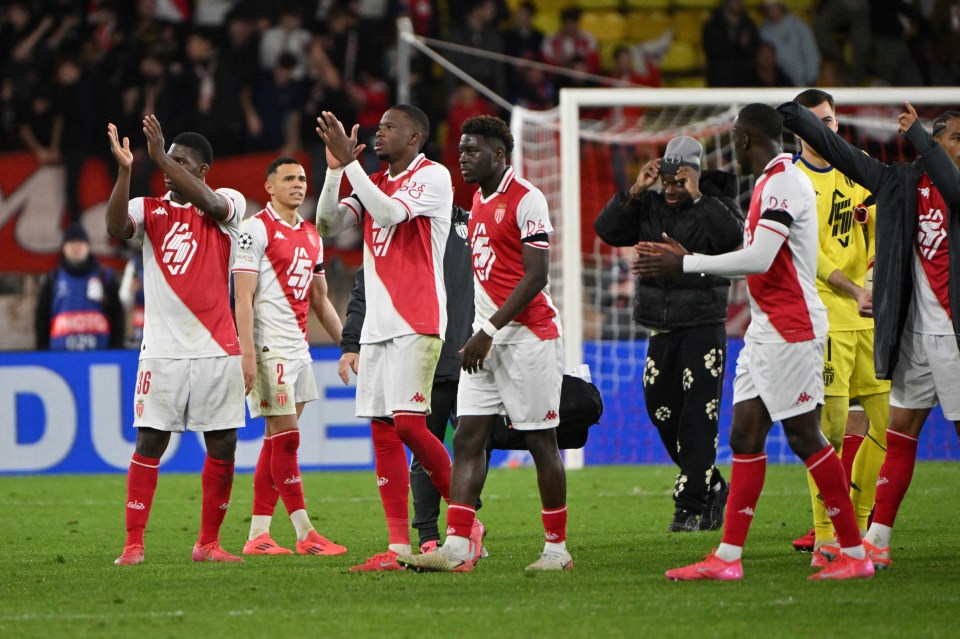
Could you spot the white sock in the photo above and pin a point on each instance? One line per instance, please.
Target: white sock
(401, 549)
(558, 548)
(857, 552)
(729, 552)
(879, 535)
(301, 522)
(259, 524)
(456, 546)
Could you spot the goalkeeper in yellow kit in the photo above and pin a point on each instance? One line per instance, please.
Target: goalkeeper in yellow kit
(847, 250)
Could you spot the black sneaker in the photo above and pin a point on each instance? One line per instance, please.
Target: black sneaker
(712, 518)
(683, 521)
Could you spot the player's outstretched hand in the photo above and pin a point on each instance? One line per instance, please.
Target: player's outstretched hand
(348, 362)
(151, 129)
(341, 148)
(907, 119)
(248, 364)
(475, 351)
(658, 258)
(123, 153)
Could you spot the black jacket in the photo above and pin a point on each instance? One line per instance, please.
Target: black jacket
(894, 187)
(458, 279)
(712, 225)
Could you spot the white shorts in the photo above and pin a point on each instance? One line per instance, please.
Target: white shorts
(189, 394)
(281, 384)
(519, 380)
(787, 377)
(397, 375)
(927, 372)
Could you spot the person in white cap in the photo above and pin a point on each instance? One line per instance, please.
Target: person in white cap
(685, 314)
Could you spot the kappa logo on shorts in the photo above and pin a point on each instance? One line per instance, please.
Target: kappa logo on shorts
(264, 403)
(418, 398)
(551, 414)
(803, 397)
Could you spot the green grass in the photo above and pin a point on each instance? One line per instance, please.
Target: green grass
(59, 535)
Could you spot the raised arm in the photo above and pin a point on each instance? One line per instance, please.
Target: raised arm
(619, 222)
(845, 157)
(194, 189)
(934, 159)
(119, 223)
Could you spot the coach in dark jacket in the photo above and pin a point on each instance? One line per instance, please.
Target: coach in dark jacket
(458, 278)
(683, 379)
(894, 187)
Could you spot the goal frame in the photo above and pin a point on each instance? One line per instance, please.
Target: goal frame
(573, 100)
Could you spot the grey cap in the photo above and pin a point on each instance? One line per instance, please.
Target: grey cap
(681, 151)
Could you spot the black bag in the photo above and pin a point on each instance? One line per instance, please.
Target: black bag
(580, 408)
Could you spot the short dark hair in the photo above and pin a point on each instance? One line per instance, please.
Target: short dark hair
(941, 122)
(489, 126)
(571, 13)
(417, 117)
(762, 118)
(280, 161)
(814, 97)
(198, 143)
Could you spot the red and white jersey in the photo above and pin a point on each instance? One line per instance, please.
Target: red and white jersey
(186, 273)
(403, 264)
(930, 309)
(499, 227)
(784, 304)
(284, 258)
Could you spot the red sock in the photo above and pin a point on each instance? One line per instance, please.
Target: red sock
(265, 493)
(555, 524)
(217, 479)
(141, 486)
(851, 444)
(286, 470)
(746, 483)
(433, 455)
(894, 477)
(827, 472)
(393, 479)
(460, 518)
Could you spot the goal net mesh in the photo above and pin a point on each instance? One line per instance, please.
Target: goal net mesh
(614, 142)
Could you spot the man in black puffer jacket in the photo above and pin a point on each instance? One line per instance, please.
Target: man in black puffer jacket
(685, 314)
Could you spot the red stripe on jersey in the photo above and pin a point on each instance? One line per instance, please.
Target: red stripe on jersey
(931, 239)
(778, 292)
(403, 259)
(497, 246)
(193, 253)
(293, 254)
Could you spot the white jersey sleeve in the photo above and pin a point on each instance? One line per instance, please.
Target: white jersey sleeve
(533, 218)
(135, 213)
(785, 193)
(238, 208)
(428, 192)
(251, 246)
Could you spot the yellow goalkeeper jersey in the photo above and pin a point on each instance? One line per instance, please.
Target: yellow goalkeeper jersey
(844, 243)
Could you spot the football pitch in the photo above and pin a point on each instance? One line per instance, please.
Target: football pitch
(60, 534)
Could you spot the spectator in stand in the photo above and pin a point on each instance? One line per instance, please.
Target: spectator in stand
(288, 36)
(571, 42)
(41, 129)
(852, 19)
(278, 97)
(522, 40)
(537, 90)
(371, 97)
(766, 72)
(78, 308)
(896, 30)
(465, 103)
(479, 30)
(325, 89)
(78, 104)
(633, 67)
(730, 40)
(945, 45)
(792, 38)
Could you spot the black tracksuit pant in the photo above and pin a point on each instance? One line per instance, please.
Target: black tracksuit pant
(682, 385)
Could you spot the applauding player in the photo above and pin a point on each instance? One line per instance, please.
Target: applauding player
(278, 275)
(189, 375)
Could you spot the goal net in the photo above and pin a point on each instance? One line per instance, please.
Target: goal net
(594, 144)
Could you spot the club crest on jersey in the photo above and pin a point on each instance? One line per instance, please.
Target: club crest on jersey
(282, 399)
(500, 212)
(139, 408)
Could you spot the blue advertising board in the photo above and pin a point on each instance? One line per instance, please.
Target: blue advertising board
(72, 413)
